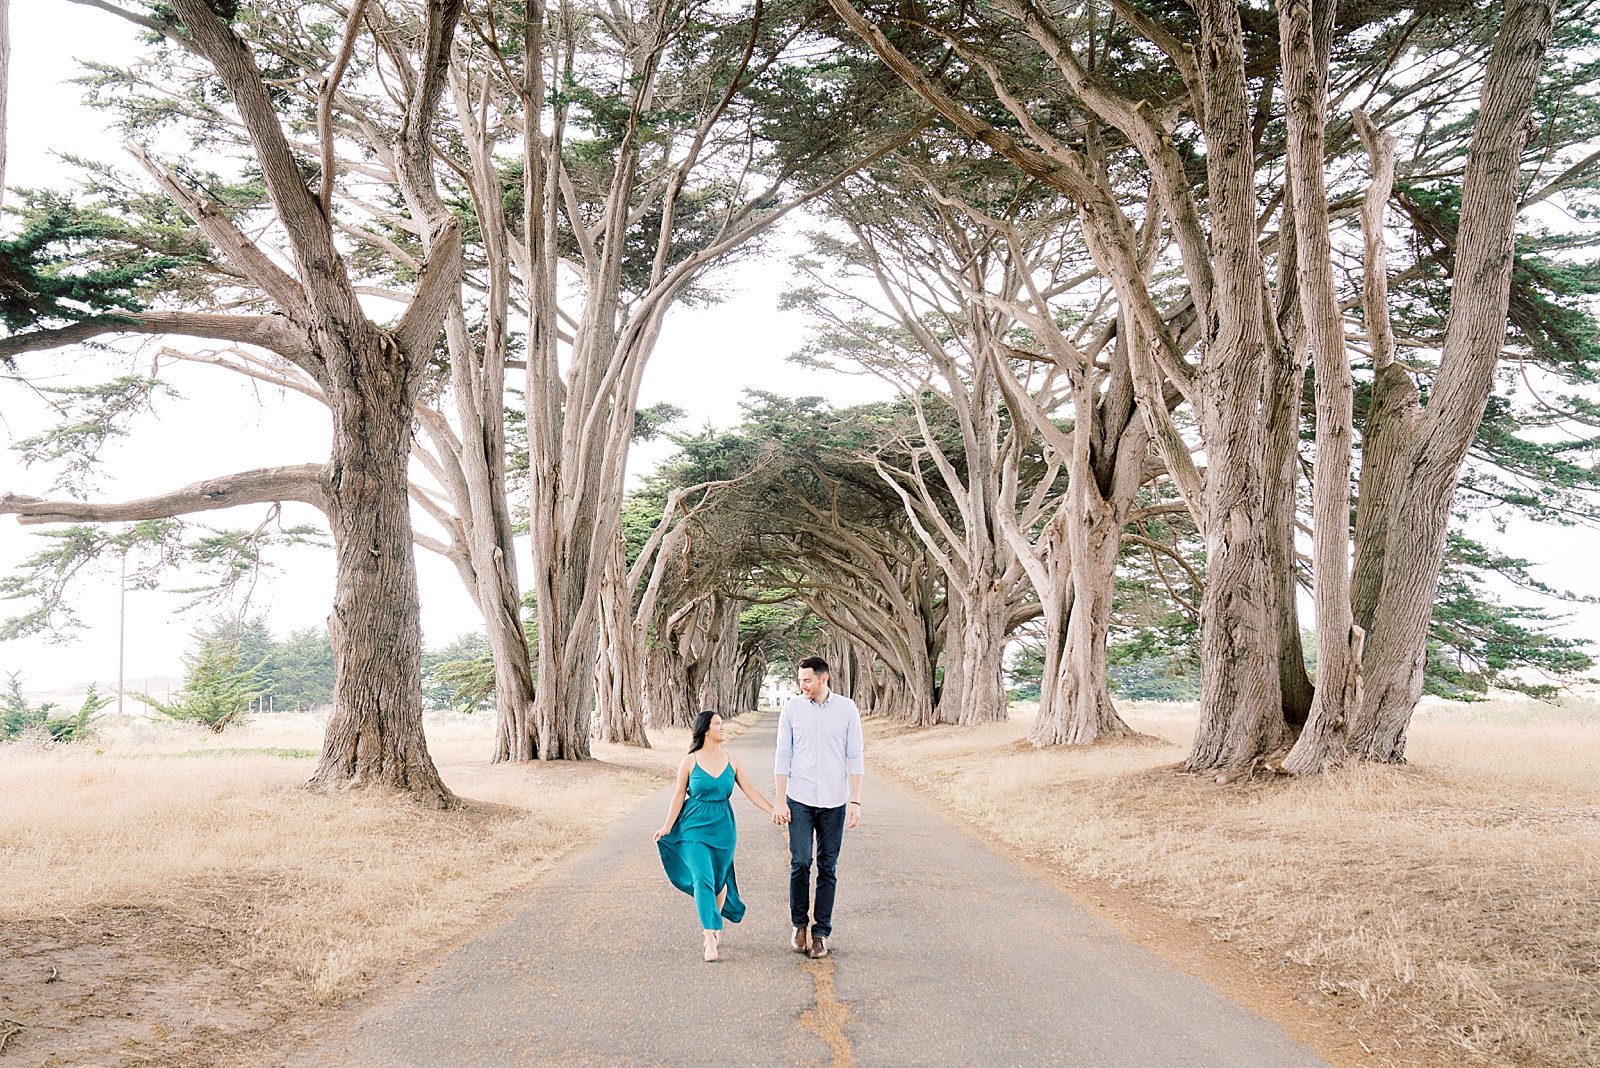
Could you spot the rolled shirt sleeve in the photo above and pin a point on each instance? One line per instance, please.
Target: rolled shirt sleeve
(854, 748)
(783, 759)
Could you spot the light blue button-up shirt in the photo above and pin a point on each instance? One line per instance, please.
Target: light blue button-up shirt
(819, 748)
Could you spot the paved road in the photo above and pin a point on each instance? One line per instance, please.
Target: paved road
(944, 953)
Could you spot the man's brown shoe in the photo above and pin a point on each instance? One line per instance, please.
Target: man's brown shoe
(819, 947)
(799, 939)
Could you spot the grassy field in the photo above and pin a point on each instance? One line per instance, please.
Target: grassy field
(171, 896)
(1443, 912)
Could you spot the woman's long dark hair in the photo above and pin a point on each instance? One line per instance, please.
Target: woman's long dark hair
(702, 723)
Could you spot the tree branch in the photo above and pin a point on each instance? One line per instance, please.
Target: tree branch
(330, 89)
(269, 331)
(302, 482)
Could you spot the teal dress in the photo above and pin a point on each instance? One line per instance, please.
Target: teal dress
(698, 853)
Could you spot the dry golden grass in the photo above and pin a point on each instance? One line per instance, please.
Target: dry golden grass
(162, 832)
(1455, 901)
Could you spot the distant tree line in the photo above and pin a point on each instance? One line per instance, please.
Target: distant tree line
(236, 666)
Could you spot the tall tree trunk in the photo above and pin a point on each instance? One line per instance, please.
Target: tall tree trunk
(478, 385)
(842, 668)
(1395, 666)
(1305, 31)
(1430, 446)
(1241, 712)
(569, 643)
(1052, 579)
(668, 666)
(981, 648)
(862, 689)
(1095, 536)
(952, 687)
(1282, 422)
(375, 736)
(916, 696)
(752, 674)
(618, 683)
(719, 684)
(479, 493)
(370, 377)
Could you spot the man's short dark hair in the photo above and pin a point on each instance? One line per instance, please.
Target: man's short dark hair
(816, 664)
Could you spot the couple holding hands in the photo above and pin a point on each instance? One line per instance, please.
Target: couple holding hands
(817, 772)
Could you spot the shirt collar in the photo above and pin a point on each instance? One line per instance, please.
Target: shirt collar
(822, 703)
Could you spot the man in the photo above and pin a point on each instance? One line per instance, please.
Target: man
(818, 770)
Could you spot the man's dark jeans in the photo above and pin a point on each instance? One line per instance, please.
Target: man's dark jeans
(826, 827)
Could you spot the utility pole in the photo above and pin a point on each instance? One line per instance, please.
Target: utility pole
(122, 625)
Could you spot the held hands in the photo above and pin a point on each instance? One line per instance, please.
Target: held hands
(780, 814)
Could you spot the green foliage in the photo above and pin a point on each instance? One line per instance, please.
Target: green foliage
(249, 638)
(1158, 678)
(218, 689)
(300, 670)
(650, 423)
(779, 634)
(1476, 642)
(641, 514)
(71, 263)
(92, 416)
(18, 716)
(1025, 671)
(69, 555)
(460, 676)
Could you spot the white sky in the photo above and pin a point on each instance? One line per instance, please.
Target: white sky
(706, 360)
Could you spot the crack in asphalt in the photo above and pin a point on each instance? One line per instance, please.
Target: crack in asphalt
(827, 1016)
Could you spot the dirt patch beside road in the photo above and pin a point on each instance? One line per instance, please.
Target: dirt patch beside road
(173, 898)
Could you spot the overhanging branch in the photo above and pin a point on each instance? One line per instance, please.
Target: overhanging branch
(269, 485)
(268, 331)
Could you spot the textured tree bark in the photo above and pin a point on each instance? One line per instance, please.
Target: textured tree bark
(1051, 573)
(981, 650)
(753, 663)
(722, 691)
(693, 662)
(1281, 418)
(1085, 711)
(477, 378)
(375, 735)
(1429, 446)
(1241, 713)
(619, 685)
(1073, 565)
(844, 670)
(1305, 31)
(668, 698)
(952, 687)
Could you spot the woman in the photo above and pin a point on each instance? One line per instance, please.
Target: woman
(697, 840)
